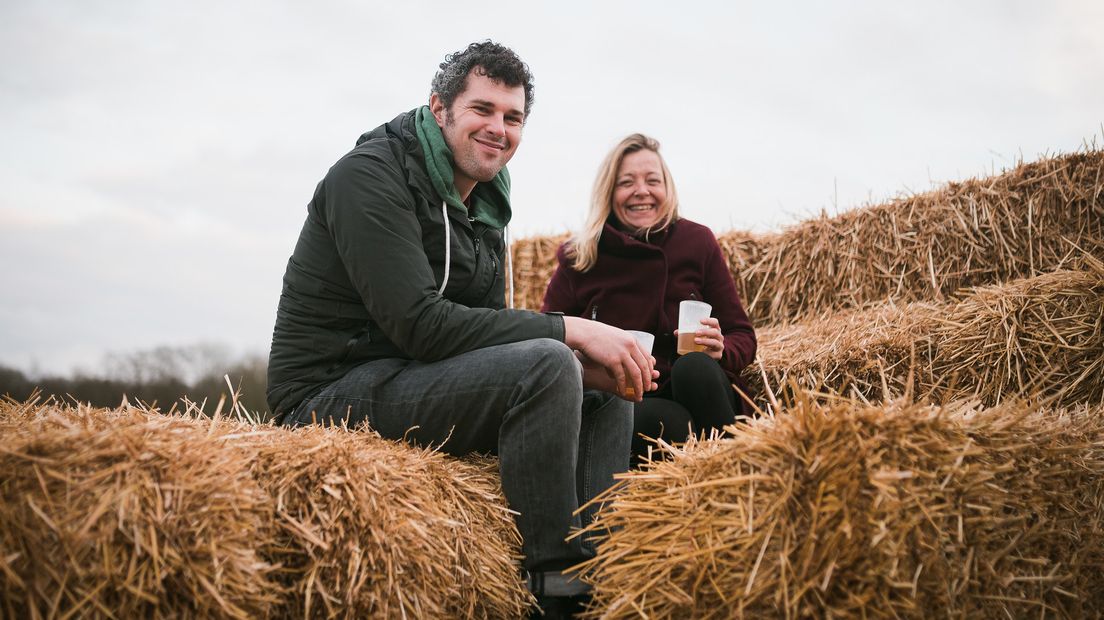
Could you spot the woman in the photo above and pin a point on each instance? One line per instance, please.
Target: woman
(631, 266)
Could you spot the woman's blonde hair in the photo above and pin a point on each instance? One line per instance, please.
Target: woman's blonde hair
(582, 248)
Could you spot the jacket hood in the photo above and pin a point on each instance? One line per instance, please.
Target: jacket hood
(490, 201)
(390, 128)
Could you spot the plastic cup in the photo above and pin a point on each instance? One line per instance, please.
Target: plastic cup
(644, 339)
(691, 313)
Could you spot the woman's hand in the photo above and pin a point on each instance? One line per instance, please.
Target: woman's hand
(710, 337)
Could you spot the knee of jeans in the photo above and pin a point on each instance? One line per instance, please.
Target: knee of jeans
(557, 356)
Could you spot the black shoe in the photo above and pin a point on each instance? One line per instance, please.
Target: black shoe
(559, 607)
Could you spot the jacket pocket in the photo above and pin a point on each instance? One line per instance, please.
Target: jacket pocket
(361, 337)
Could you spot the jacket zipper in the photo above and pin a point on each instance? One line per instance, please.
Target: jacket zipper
(494, 270)
(494, 265)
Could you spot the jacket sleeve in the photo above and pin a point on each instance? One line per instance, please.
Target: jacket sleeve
(370, 213)
(720, 292)
(560, 294)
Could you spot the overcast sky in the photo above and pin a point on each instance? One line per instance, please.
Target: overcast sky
(157, 157)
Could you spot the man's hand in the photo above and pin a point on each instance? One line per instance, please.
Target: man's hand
(595, 377)
(628, 371)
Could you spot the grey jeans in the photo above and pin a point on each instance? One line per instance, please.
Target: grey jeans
(558, 446)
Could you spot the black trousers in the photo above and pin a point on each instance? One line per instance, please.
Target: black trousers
(699, 397)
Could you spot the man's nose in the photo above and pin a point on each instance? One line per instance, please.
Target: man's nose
(497, 125)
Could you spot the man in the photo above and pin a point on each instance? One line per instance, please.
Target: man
(392, 315)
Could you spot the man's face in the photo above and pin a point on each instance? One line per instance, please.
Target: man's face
(482, 128)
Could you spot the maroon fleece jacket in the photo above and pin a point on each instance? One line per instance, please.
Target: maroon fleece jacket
(637, 284)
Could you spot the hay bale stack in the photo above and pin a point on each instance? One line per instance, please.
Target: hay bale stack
(370, 528)
(838, 509)
(534, 263)
(1024, 222)
(1042, 336)
(132, 513)
(125, 514)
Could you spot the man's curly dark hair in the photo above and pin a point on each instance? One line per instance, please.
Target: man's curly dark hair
(488, 58)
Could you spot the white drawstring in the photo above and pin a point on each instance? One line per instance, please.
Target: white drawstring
(448, 256)
(448, 248)
(509, 266)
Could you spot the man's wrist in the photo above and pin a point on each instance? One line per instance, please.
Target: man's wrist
(559, 326)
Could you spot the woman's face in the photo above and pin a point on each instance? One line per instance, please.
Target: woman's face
(639, 191)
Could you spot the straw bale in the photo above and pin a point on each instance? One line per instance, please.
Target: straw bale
(834, 508)
(534, 263)
(1023, 222)
(1041, 336)
(126, 514)
(866, 352)
(376, 528)
(195, 517)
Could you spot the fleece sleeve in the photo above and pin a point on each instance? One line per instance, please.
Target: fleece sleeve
(720, 291)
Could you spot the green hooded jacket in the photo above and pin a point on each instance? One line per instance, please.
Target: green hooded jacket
(362, 283)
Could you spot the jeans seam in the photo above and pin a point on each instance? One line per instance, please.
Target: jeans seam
(587, 469)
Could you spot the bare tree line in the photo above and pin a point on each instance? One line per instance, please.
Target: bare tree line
(162, 376)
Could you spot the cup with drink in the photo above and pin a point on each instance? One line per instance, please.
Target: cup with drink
(645, 340)
(691, 313)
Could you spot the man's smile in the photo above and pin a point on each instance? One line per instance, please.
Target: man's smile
(491, 144)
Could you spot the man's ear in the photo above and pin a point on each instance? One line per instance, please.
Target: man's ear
(437, 107)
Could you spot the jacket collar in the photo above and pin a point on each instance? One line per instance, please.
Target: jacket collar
(617, 241)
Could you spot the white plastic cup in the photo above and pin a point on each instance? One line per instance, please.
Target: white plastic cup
(644, 339)
(691, 313)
